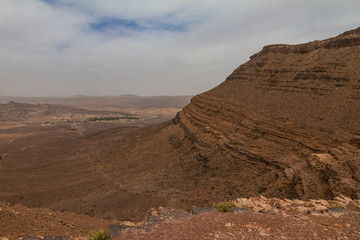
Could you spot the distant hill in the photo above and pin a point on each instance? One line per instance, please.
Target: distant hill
(116, 102)
(20, 112)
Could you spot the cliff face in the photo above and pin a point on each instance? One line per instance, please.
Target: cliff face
(286, 123)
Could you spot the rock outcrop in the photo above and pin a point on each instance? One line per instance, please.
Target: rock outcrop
(287, 122)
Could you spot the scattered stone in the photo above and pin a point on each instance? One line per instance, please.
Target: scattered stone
(343, 201)
(336, 209)
(173, 213)
(163, 214)
(56, 238)
(3, 156)
(32, 238)
(40, 238)
(199, 210)
(115, 230)
(153, 218)
(228, 225)
(239, 209)
(153, 212)
(263, 198)
(262, 210)
(302, 209)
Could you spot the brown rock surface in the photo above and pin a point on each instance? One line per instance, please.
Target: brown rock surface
(285, 121)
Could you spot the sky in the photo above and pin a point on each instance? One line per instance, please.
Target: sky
(158, 47)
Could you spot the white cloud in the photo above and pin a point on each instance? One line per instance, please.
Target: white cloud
(162, 47)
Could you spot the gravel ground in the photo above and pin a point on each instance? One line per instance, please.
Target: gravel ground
(250, 225)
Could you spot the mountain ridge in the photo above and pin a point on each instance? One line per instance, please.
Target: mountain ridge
(280, 100)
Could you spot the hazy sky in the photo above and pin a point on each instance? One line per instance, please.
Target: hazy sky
(157, 47)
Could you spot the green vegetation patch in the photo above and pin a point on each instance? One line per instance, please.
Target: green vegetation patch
(100, 235)
(224, 206)
(94, 119)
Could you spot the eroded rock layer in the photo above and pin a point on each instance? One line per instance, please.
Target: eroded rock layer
(287, 121)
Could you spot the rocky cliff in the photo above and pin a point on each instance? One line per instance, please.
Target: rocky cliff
(284, 124)
(287, 121)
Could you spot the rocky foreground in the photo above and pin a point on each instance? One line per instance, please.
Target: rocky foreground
(253, 218)
(250, 218)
